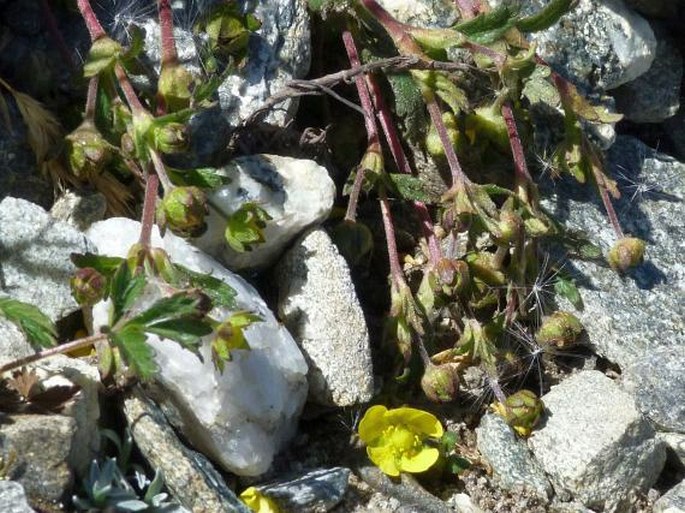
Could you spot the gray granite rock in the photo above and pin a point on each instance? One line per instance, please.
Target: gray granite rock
(13, 498)
(14, 344)
(240, 417)
(512, 464)
(672, 501)
(675, 443)
(316, 491)
(654, 95)
(319, 306)
(422, 13)
(628, 317)
(39, 446)
(34, 257)
(599, 44)
(656, 381)
(296, 193)
(79, 210)
(594, 444)
(189, 476)
(278, 52)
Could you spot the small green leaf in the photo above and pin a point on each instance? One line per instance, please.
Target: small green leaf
(245, 226)
(230, 336)
(203, 177)
(449, 441)
(546, 17)
(186, 332)
(105, 265)
(124, 289)
(137, 354)
(567, 288)
(219, 292)
(457, 464)
(103, 54)
(409, 105)
(137, 43)
(181, 304)
(411, 188)
(490, 26)
(37, 327)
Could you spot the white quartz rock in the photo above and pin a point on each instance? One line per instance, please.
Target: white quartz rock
(296, 193)
(240, 418)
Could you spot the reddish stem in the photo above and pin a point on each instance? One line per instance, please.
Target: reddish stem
(523, 177)
(91, 98)
(161, 170)
(391, 241)
(397, 31)
(127, 88)
(64, 348)
(459, 179)
(166, 26)
(92, 24)
(149, 208)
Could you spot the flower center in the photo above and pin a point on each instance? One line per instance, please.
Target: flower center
(402, 439)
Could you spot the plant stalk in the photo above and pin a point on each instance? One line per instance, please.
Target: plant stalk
(92, 23)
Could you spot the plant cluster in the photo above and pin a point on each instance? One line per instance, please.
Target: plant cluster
(462, 94)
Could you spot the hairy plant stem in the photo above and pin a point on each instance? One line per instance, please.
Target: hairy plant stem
(91, 98)
(64, 348)
(161, 171)
(459, 178)
(129, 93)
(396, 275)
(92, 23)
(166, 27)
(523, 179)
(147, 220)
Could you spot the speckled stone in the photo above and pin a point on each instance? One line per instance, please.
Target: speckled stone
(512, 463)
(654, 95)
(656, 381)
(13, 498)
(594, 444)
(599, 44)
(672, 501)
(319, 306)
(34, 257)
(422, 13)
(675, 443)
(190, 477)
(628, 317)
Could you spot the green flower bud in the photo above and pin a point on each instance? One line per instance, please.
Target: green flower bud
(170, 138)
(183, 210)
(88, 152)
(561, 329)
(510, 226)
(440, 383)
(88, 286)
(626, 253)
(174, 86)
(522, 411)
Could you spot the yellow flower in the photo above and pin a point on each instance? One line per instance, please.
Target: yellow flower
(395, 439)
(258, 502)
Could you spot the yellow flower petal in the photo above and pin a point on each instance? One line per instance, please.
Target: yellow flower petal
(257, 501)
(385, 459)
(373, 423)
(419, 421)
(420, 461)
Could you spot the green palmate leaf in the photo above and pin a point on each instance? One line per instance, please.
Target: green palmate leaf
(411, 188)
(537, 88)
(37, 327)
(102, 55)
(490, 26)
(566, 288)
(180, 305)
(219, 292)
(136, 353)
(245, 226)
(546, 17)
(230, 336)
(186, 332)
(574, 101)
(409, 104)
(105, 265)
(432, 82)
(124, 289)
(203, 177)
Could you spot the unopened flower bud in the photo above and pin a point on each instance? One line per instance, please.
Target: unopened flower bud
(183, 210)
(170, 138)
(174, 87)
(626, 253)
(561, 329)
(521, 410)
(440, 383)
(88, 286)
(510, 226)
(87, 150)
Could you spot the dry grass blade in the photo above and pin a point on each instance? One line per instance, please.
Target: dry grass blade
(4, 111)
(44, 130)
(119, 197)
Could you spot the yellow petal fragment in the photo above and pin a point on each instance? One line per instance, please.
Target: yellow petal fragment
(419, 462)
(385, 459)
(373, 423)
(258, 502)
(419, 421)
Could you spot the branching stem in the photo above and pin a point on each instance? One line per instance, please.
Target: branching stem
(92, 23)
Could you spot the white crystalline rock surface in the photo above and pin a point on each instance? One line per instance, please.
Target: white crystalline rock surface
(296, 193)
(240, 418)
